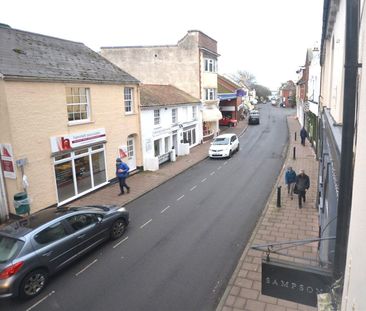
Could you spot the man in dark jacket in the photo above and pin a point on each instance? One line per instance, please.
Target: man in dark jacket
(122, 170)
(303, 135)
(290, 180)
(302, 184)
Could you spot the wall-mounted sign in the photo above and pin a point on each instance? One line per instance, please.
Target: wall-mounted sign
(71, 141)
(122, 151)
(294, 282)
(7, 161)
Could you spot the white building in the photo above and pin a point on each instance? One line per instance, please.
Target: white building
(171, 124)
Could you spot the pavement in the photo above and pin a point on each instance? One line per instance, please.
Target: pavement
(286, 223)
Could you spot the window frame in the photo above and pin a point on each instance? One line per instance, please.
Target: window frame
(210, 65)
(156, 117)
(174, 115)
(128, 100)
(210, 94)
(79, 95)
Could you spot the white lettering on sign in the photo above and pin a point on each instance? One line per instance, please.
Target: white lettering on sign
(293, 286)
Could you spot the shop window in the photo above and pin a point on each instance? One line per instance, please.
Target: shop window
(83, 170)
(99, 173)
(64, 181)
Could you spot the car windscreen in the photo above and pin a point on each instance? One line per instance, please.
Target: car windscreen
(9, 248)
(221, 141)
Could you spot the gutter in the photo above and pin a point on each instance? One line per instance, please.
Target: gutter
(348, 134)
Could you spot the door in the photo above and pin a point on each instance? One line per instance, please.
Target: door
(88, 231)
(131, 154)
(55, 246)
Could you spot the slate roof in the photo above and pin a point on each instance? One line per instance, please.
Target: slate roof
(152, 95)
(29, 56)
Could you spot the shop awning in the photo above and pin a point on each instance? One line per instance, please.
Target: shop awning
(211, 114)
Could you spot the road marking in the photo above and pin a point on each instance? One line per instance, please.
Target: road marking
(225, 162)
(43, 299)
(120, 242)
(219, 168)
(212, 173)
(181, 197)
(204, 179)
(146, 223)
(88, 266)
(194, 187)
(164, 209)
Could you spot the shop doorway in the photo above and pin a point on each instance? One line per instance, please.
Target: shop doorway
(79, 172)
(131, 152)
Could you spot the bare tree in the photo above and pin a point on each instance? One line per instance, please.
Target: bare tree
(244, 77)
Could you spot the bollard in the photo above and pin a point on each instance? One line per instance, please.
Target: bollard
(294, 153)
(279, 196)
(295, 136)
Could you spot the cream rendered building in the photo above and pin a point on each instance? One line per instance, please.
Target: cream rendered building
(66, 113)
(190, 65)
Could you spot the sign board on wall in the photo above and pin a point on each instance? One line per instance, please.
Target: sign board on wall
(7, 161)
(294, 282)
(122, 151)
(71, 141)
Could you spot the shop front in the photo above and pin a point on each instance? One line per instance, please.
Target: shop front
(79, 164)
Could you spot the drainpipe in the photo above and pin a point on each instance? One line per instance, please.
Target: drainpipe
(348, 130)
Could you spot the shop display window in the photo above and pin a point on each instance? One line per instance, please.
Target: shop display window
(79, 171)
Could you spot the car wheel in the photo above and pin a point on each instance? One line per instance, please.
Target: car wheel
(230, 124)
(237, 149)
(230, 153)
(118, 229)
(33, 284)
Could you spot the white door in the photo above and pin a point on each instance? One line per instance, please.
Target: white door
(131, 155)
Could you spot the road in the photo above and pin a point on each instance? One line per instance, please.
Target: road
(185, 237)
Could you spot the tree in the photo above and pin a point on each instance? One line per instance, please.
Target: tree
(244, 77)
(262, 91)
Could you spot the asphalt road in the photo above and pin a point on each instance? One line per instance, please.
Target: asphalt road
(185, 237)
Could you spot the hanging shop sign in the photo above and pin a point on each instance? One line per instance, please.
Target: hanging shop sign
(7, 161)
(76, 140)
(294, 282)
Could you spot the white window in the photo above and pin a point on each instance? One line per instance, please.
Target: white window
(174, 115)
(194, 113)
(128, 98)
(210, 65)
(210, 94)
(156, 117)
(78, 104)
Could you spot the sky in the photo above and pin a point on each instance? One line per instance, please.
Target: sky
(268, 38)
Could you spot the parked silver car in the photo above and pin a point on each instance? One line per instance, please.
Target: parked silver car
(35, 247)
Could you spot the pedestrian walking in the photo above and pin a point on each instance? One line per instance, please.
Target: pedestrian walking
(303, 135)
(122, 172)
(302, 184)
(290, 180)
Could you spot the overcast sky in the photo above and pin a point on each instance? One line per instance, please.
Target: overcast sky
(268, 38)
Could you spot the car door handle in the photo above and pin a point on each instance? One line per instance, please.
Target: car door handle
(81, 236)
(47, 254)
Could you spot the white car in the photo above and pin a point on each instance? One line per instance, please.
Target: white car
(224, 146)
